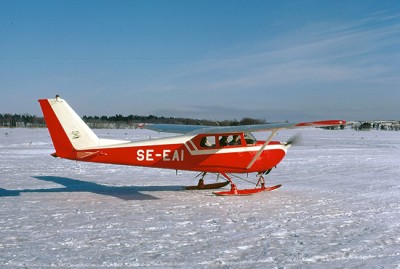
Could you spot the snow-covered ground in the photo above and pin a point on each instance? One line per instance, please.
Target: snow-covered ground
(339, 207)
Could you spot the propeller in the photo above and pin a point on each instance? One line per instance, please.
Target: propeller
(295, 140)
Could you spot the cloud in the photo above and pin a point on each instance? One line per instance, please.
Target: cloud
(358, 55)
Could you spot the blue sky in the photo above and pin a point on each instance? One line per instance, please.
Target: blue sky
(273, 60)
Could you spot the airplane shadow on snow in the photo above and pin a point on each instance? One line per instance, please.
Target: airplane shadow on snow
(75, 185)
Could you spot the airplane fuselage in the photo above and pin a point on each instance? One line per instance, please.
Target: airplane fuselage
(183, 153)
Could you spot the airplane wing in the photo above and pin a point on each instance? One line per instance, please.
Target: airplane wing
(172, 128)
(199, 129)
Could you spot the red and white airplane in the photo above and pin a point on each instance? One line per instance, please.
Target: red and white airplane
(206, 149)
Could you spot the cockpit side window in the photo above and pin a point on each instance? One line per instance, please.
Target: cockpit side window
(223, 140)
(235, 140)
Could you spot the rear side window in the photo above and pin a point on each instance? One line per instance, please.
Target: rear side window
(207, 142)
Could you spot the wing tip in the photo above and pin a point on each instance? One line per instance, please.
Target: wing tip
(322, 123)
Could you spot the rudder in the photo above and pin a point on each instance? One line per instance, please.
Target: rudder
(67, 130)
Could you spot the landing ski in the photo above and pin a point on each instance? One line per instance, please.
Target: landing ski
(246, 191)
(208, 186)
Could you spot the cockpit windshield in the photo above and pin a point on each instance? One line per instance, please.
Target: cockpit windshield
(250, 139)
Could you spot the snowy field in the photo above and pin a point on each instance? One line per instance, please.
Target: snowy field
(339, 207)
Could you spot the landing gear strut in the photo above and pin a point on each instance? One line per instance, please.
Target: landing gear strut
(261, 180)
(200, 185)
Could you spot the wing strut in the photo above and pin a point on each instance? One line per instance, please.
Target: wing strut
(262, 148)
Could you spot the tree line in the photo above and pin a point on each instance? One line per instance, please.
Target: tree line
(122, 122)
(18, 120)
(118, 121)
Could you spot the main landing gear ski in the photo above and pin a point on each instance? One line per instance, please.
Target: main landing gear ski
(202, 186)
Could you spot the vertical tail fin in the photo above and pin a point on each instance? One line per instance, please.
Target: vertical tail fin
(67, 130)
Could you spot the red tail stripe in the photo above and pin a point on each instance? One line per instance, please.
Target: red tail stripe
(60, 139)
